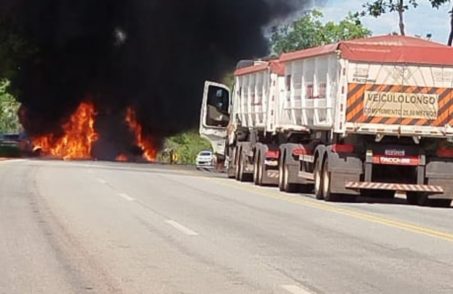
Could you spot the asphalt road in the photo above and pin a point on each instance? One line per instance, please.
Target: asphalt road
(92, 227)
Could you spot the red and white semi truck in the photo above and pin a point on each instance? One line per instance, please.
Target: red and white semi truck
(368, 116)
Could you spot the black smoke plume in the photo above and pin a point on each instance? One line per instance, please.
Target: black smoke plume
(150, 54)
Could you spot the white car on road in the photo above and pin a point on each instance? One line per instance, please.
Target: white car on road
(205, 159)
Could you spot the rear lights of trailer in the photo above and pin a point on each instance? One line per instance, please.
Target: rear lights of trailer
(300, 151)
(445, 152)
(343, 148)
(272, 154)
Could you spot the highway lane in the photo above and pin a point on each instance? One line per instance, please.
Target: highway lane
(93, 227)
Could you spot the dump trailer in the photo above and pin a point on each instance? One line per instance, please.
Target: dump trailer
(366, 117)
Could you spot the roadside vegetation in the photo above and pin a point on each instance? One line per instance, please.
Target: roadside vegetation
(13, 49)
(310, 31)
(183, 147)
(9, 151)
(9, 120)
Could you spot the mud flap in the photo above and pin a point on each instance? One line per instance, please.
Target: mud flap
(293, 165)
(270, 176)
(439, 173)
(343, 169)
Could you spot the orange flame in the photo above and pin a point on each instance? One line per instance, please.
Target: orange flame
(121, 158)
(78, 136)
(146, 144)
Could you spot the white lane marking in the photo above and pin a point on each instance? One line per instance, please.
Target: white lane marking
(126, 197)
(102, 181)
(181, 228)
(293, 289)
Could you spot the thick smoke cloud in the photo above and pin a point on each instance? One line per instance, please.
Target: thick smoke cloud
(151, 54)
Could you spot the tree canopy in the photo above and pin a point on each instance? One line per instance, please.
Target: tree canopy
(378, 7)
(13, 49)
(309, 31)
(9, 121)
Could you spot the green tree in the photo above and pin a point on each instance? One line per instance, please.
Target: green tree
(186, 146)
(9, 120)
(378, 7)
(309, 31)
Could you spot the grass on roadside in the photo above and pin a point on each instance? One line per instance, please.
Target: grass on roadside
(9, 151)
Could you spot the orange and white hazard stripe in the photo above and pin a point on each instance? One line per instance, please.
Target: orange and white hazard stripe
(356, 104)
(394, 187)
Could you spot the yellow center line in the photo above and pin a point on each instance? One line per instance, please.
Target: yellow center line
(369, 217)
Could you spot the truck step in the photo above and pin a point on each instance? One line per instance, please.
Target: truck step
(394, 187)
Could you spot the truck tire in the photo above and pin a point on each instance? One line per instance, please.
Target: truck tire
(327, 183)
(258, 169)
(229, 160)
(318, 180)
(237, 159)
(240, 174)
(284, 184)
(280, 171)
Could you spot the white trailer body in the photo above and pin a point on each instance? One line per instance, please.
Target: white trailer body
(256, 95)
(274, 98)
(312, 89)
(365, 97)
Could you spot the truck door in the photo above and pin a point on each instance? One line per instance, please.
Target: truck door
(215, 115)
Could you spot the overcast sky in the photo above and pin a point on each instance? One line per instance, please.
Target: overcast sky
(420, 21)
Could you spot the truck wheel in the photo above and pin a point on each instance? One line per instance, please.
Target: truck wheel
(240, 168)
(318, 180)
(284, 184)
(280, 172)
(327, 183)
(258, 170)
(255, 169)
(238, 160)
